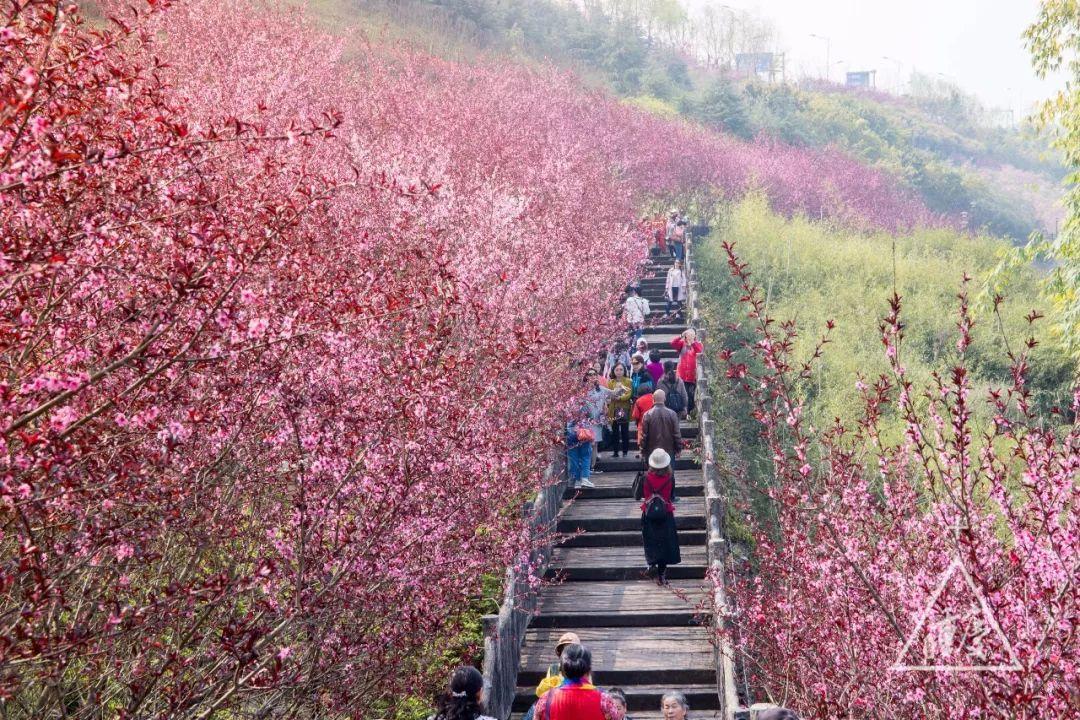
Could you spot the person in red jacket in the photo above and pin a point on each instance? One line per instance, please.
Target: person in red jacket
(643, 403)
(658, 531)
(689, 347)
(577, 698)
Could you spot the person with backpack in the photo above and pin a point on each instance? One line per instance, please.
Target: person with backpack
(462, 699)
(689, 348)
(659, 535)
(675, 287)
(635, 310)
(674, 389)
(576, 698)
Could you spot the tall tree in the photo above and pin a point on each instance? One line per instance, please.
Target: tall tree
(1054, 42)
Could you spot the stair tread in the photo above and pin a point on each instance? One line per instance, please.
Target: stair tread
(638, 596)
(625, 478)
(627, 538)
(626, 649)
(619, 557)
(618, 508)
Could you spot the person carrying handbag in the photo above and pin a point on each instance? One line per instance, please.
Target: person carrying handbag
(579, 444)
(659, 535)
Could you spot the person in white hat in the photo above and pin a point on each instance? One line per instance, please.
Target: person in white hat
(658, 532)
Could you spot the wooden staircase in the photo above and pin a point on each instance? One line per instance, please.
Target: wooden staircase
(646, 639)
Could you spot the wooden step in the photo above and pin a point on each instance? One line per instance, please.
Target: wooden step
(687, 428)
(621, 604)
(626, 538)
(612, 485)
(625, 514)
(664, 348)
(621, 563)
(606, 451)
(627, 656)
(661, 338)
(684, 462)
(668, 330)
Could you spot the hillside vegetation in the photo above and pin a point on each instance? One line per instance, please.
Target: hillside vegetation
(936, 140)
(815, 272)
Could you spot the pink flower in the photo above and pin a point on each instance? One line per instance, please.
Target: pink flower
(257, 328)
(28, 76)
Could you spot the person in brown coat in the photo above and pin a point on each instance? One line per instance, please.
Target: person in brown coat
(660, 428)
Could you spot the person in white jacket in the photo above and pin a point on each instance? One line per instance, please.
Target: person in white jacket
(675, 287)
(635, 309)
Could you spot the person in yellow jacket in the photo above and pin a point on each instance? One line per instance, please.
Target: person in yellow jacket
(554, 678)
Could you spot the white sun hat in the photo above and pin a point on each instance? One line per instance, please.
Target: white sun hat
(659, 459)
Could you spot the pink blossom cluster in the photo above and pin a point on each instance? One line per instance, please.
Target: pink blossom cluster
(284, 338)
(934, 575)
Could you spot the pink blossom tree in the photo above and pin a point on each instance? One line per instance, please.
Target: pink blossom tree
(284, 341)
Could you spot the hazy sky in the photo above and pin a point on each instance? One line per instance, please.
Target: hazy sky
(974, 43)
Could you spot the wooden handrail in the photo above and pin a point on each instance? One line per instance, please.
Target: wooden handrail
(716, 548)
(504, 633)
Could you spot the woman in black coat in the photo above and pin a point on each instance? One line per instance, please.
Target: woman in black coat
(658, 532)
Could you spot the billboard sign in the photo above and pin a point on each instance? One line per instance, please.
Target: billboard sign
(861, 78)
(754, 63)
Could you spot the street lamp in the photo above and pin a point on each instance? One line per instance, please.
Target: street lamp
(734, 30)
(899, 73)
(828, 48)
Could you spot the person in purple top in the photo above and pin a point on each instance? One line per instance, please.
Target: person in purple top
(655, 367)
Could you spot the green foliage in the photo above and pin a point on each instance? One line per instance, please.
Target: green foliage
(723, 108)
(936, 160)
(1054, 41)
(460, 649)
(812, 273)
(654, 105)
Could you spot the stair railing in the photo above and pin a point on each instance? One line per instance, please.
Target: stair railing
(504, 633)
(716, 548)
